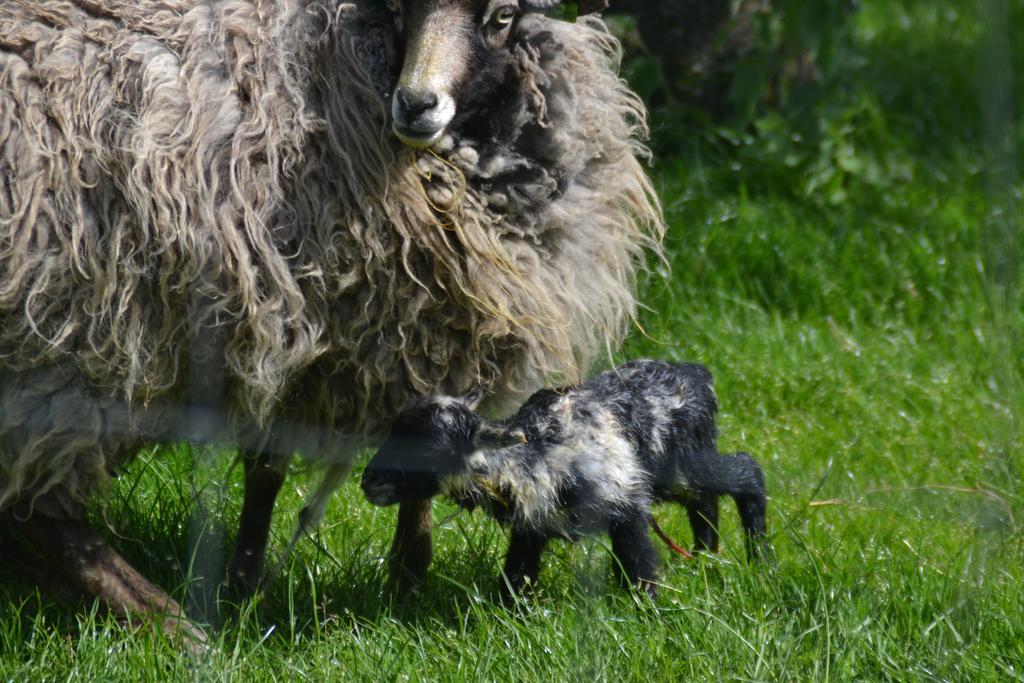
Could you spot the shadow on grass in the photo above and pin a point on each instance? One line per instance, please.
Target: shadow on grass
(317, 590)
(322, 593)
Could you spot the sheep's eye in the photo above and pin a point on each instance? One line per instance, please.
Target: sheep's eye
(503, 17)
(393, 6)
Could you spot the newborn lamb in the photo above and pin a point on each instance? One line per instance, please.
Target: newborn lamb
(577, 461)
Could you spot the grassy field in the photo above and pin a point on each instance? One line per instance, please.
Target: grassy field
(858, 301)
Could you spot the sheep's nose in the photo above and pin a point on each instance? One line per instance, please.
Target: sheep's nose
(414, 103)
(420, 114)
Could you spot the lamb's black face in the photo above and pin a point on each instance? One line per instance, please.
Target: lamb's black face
(456, 54)
(429, 441)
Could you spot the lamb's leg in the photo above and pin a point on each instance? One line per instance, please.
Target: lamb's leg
(411, 548)
(95, 568)
(264, 475)
(702, 509)
(748, 490)
(752, 503)
(522, 563)
(740, 477)
(752, 507)
(636, 559)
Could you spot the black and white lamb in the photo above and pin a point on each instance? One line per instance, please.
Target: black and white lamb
(577, 461)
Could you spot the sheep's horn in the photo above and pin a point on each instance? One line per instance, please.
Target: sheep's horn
(585, 6)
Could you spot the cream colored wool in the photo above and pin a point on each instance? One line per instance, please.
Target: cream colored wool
(187, 185)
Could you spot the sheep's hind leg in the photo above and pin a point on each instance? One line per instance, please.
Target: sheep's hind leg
(95, 568)
(636, 559)
(522, 563)
(411, 549)
(264, 475)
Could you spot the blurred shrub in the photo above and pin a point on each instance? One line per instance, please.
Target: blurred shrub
(774, 85)
(726, 57)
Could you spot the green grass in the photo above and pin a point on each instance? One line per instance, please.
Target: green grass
(866, 349)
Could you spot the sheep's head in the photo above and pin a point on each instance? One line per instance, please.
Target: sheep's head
(455, 52)
(430, 440)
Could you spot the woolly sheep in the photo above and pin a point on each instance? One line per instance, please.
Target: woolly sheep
(208, 231)
(578, 461)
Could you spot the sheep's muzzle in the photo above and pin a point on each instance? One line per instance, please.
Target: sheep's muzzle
(437, 49)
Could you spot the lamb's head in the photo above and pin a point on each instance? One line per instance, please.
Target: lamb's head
(431, 439)
(456, 54)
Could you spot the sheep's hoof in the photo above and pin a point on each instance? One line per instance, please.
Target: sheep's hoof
(402, 581)
(244, 580)
(236, 591)
(185, 635)
(72, 548)
(408, 567)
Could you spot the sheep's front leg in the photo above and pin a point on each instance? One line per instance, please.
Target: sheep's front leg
(72, 547)
(264, 475)
(522, 563)
(636, 559)
(411, 549)
(18, 558)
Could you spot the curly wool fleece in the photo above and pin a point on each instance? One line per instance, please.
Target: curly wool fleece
(187, 185)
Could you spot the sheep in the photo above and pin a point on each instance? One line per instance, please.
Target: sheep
(209, 231)
(577, 461)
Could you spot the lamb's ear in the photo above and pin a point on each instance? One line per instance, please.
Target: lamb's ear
(490, 437)
(474, 398)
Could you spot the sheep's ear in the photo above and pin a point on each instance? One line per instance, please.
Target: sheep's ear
(474, 398)
(489, 437)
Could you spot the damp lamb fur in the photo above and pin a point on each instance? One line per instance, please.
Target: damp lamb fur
(190, 188)
(578, 461)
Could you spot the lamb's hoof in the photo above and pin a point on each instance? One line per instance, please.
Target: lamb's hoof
(763, 553)
(648, 588)
(509, 594)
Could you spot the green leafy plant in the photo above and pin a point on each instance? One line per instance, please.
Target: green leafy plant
(777, 102)
(567, 11)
